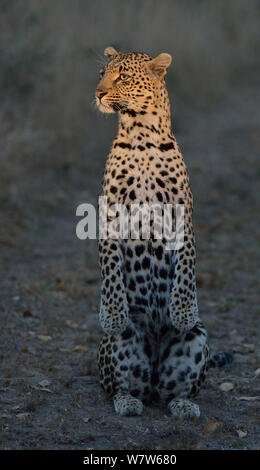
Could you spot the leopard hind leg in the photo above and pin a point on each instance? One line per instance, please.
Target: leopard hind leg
(183, 365)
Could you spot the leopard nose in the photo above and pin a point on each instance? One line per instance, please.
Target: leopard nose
(100, 93)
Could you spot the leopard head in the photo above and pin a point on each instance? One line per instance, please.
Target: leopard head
(131, 81)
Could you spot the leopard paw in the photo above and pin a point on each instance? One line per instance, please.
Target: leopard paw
(113, 322)
(126, 405)
(181, 408)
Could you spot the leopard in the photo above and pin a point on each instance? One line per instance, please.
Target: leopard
(154, 348)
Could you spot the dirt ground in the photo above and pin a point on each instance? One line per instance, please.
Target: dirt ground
(50, 397)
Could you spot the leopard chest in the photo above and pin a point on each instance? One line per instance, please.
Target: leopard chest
(142, 173)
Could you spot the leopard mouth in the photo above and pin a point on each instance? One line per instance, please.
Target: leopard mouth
(106, 107)
(120, 105)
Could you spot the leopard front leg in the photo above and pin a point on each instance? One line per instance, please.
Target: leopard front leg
(183, 306)
(113, 313)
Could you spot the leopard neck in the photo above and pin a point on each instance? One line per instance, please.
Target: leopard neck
(153, 122)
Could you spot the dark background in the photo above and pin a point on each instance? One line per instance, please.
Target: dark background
(52, 155)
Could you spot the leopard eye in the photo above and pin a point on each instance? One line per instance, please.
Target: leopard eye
(124, 76)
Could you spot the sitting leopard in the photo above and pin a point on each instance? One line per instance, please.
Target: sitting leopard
(155, 345)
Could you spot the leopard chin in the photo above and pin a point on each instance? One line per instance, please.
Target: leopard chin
(105, 108)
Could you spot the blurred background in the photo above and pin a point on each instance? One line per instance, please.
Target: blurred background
(52, 138)
(52, 154)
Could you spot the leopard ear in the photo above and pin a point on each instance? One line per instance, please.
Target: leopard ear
(110, 52)
(158, 66)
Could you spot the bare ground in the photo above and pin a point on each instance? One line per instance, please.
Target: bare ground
(49, 392)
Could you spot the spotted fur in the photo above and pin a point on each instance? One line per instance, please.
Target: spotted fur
(155, 345)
